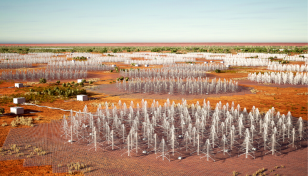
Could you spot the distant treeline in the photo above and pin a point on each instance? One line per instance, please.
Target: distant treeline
(178, 50)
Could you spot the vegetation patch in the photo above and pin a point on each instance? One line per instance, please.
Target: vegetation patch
(27, 121)
(80, 58)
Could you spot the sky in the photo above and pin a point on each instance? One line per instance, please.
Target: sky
(125, 21)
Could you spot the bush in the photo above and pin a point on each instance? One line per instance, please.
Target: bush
(217, 71)
(111, 71)
(81, 84)
(174, 50)
(58, 82)
(43, 80)
(64, 85)
(126, 79)
(80, 58)
(2, 111)
(271, 58)
(132, 64)
(284, 62)
(90, 82)
(115, 50)
(104, 50)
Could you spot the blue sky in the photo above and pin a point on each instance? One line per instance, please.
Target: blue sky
(115, 21)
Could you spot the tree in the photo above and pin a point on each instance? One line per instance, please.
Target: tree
(115, 50)
(217, 71)
(58, 82)
(174, 50)
(128, 50)
(104, 50)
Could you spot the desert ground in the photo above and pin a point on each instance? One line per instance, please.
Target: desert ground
(284, 98)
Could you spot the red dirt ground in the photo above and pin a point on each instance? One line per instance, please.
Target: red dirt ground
(159, 44)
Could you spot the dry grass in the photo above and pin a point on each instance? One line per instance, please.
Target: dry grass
(22, 121)
(77, 167)
(269, 94)
(37, 119)
(304, 93)
(234, 173)
(39, 151)
(93, 79)
(31, 83)
(237, 79)
(254, 91)
(91, 87)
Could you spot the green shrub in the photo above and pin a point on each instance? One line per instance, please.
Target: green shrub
(217, 71)
(2, 110)
(104, 50)
(174, 50)
(58, 82)
(271, 58)
(115, 50)
(284, 62)
(43, 80)
(64, 85)
(126, 79)
(80, 58)
(90, 82)
(132, 64)
(111, 71)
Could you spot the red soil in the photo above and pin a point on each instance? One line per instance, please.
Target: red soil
(159, 44)
(284, 99)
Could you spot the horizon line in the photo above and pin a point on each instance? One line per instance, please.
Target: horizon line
(163, 44)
